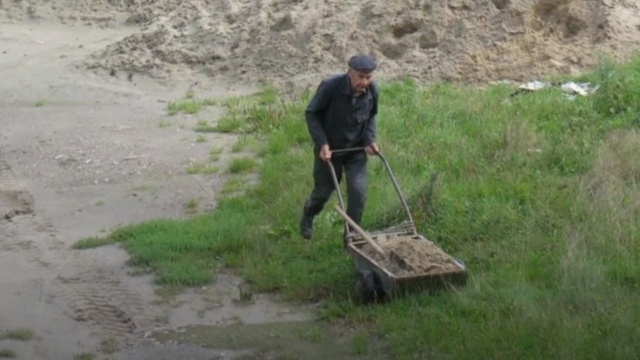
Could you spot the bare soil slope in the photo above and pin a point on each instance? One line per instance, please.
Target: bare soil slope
(456, 40)
(82, 154)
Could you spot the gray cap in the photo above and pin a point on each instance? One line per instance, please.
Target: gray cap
(363, 63)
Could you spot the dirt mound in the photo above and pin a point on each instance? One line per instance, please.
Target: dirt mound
(454, 40)
(100, 13)
(406, 256)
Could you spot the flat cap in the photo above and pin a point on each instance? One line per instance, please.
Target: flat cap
(362, 62)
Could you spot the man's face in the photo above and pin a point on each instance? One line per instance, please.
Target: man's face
(359, 80)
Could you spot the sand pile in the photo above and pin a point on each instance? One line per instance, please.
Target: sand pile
(455, 40)
(100, 13)
(406, 256)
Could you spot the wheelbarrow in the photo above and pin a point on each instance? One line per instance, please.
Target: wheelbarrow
(374, 282)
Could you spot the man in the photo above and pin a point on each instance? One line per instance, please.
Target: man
(342, 115)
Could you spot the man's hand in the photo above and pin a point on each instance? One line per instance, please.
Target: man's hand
(325, 153)
(372, 149)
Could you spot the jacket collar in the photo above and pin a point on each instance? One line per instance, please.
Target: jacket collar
(345, 84)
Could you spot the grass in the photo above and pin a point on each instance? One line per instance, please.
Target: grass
(242, 165)
(202, 169)
(189, 105)
(192, 106)
(92, 242)
(234, 185)
(17, 334)
(84, 356)
(214, 154)
(204, 126)
(7, 353)
(108, 346)
(191, 206)
(245, 143)
(538, 195)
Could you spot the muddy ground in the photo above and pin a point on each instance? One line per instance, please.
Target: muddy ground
(81, 154)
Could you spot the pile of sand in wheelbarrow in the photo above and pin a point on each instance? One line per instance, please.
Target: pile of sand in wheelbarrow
(407, 256)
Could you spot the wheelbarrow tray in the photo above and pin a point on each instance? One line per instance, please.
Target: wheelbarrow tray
(391, 285)
(373, 280)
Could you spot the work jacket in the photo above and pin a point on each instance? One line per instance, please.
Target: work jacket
(336, 118)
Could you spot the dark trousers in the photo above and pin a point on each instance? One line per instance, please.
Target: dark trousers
(354, 164)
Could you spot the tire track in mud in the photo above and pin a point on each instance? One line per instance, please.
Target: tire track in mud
(104, 302)
(16, 216)
(93, 296)
(14, 199)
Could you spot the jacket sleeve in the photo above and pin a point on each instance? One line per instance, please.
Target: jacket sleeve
(370, 131)
(315, 111)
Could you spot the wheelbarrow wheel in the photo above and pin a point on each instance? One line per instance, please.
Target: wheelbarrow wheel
(366, 287)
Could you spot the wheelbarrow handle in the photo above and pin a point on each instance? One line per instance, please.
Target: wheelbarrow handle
(389, 171)
(359, 230)
(339, 151)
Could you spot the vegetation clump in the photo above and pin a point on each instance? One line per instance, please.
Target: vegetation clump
(536, 193)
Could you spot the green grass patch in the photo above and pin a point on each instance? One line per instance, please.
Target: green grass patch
(214, 154)
(191, 206)
(248, 114)
(84, 356)
(234, 185)
(189, 105)
(205, 127)
(17, 334)
(537, 195)
(108, 346)
(7, 353)
(92, 242)
(246, 143)
(203, 169)
(242, 165)
(231, 125)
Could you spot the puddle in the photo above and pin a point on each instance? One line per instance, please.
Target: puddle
(228, 301)
(298, 340)
(182, 352)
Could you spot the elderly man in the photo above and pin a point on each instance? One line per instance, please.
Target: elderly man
(342, 115)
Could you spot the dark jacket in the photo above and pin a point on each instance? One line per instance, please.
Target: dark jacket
(333, 120)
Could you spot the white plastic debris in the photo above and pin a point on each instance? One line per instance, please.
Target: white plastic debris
(533, 85)
(570, 88)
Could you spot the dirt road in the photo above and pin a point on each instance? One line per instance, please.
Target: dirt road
(81, 154)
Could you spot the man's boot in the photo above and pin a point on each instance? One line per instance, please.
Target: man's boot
(306, 225)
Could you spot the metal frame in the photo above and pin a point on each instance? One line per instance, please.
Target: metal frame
(409, 225)
(384, 283)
